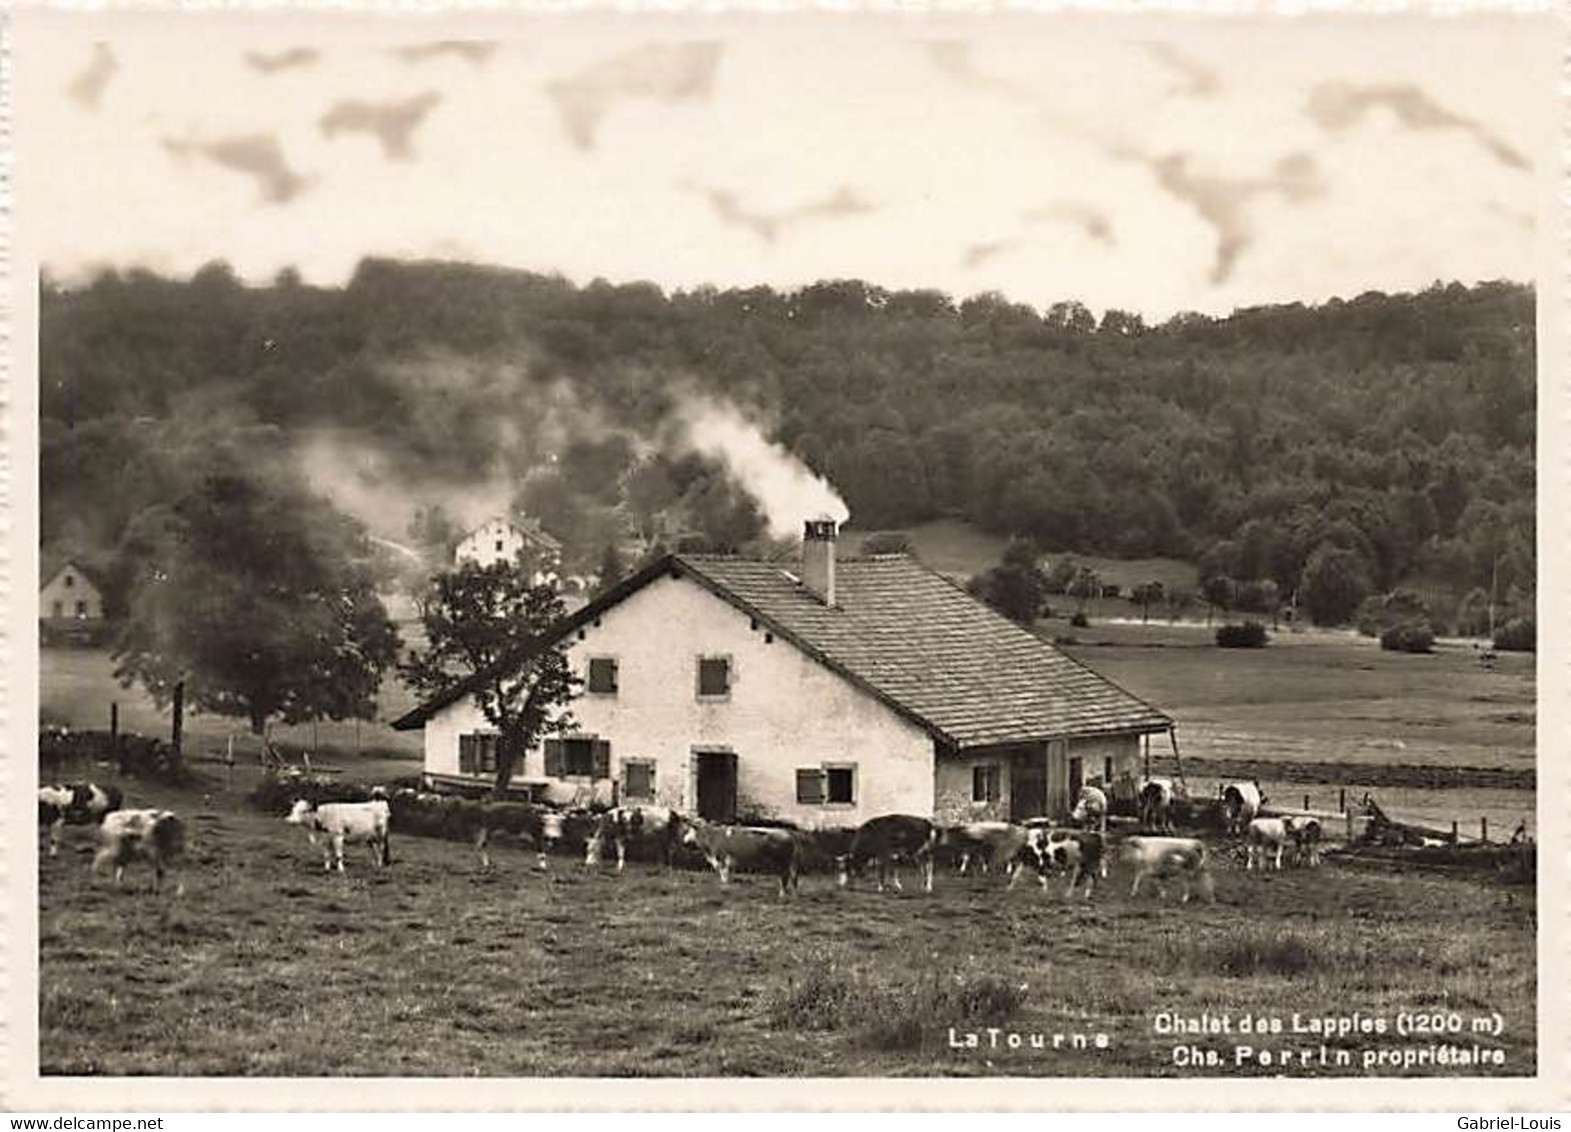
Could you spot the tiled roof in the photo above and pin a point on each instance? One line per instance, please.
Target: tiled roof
(927, 646)
(914, 640)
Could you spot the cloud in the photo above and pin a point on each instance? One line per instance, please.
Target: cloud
(768, 226)
(1092, 221)
(1224, 202)
(976, 255)
(953, 57)
(256, 155)
(286, 60)
(662, 72)
(1340, 106)
(1199, 81)
(391, 123)
(476, 51)
(87, 88)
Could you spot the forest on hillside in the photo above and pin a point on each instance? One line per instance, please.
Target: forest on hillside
(1397, 431)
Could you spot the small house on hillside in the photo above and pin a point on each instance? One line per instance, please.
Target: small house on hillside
(69, 594)
(825, 695)
(502, 540)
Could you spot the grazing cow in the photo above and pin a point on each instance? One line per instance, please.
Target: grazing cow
(1304, 834)
(1079, 852)
(984, 842)
(340, 822)
(1263, 836)
(1162, 858)
(659, 826)
(1240, 805)
(756, 849)
(1090, 810)
(81, 803)
(154, 836)
(1156, 805)
(885, 842)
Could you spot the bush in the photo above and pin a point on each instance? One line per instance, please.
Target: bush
(278, 790)
(1379, 612)
(1520, 634)
(138, 756)
(1408, 636)
(1249, 635)
(888, 542)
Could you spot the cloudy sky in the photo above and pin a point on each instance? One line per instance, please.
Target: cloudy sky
(1154, 165)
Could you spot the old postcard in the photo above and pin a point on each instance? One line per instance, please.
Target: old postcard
(825, 560)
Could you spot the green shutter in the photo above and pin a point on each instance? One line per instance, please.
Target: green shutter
(466, 754)
(553, 758)
(810, 786)
(602, 759)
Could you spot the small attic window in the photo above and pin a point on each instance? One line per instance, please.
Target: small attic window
(69, 580)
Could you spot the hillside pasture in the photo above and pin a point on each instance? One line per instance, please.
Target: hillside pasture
(267, 966)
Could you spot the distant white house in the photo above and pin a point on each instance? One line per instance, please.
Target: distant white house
(823, 694)
(502, 540)
(69, 594)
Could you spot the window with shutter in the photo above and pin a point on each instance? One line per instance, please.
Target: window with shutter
(638, 779)
(578, 758)
(601, 767)
(985, 783)
(810, 786)
(840, 785)
(487, 754)
(714, 676)
(602, 675)
(554, 760)
(467, 762)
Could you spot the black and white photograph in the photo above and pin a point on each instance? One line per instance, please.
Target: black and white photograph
(805, 545)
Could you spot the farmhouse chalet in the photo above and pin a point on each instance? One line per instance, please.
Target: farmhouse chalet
(501, 540)
(68, 594)
(731, 687)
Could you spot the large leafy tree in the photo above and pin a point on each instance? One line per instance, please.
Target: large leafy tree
(256, 596)
(485, 624)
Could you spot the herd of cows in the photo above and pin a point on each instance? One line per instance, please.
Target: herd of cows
(880, 846)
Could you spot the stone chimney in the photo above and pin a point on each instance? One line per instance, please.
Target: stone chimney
(818, 558)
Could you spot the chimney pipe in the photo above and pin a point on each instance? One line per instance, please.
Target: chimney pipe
(818, 558)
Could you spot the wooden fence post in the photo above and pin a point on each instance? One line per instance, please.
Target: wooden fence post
(177, 728)
(1454, 838)
(1306, 801)
(1341, 799)
(1483, 829)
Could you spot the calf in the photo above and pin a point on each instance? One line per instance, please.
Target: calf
(1162, 858)
(885, 842)
(728, 847)
(81, 803)
(1263, 836)
(340, 822)
(154, 836)
(1079, 852)
(1304, 834)
(1156, 805)
(1090, 810)
(658, 826)
(1240, 804)
(985, 842)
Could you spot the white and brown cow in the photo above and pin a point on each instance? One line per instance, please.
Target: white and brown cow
(750, 848)
(1265, 837)
(1090, 810)
(1304, 835)
(341, 822)
(659, 827)
(984, 843)
(886, 842)
(1078, 852)
(79, 803)
(1156, 805)
(1241, 803)
(154, 836)
(1164, 858)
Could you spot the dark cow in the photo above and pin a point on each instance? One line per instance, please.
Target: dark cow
(1078, 852)
(1162, 858)
(79, 803)
(887, 841)
(751, 848)
(1304, 835)
(1156, 805)
(1241, 803)
(154, 836)
(656, 826)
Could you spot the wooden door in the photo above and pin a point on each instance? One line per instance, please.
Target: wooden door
(716, 786)
(1028, 785)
